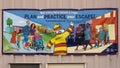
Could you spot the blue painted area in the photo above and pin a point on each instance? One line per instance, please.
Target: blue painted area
(22, 13)
(112, 49)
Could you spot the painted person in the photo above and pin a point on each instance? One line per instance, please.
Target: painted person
(18, 40)
(59, 40)
(102, 36)
(13, 38)
(79, 36)
(26, 33)
(71, 39)
(38, 40)
(32, 32)
(96, 36)
(106, 37)
(88, 36)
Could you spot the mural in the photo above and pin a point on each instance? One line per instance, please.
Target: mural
(60, 31)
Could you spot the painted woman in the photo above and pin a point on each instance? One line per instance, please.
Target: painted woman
(32, 32)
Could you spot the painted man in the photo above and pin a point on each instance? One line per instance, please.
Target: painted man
(26, 32)
(59, 41)
(88, 36)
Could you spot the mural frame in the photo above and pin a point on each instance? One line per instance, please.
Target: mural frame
(60, 9)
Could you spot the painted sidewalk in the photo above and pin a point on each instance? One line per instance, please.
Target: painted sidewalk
(88, 50)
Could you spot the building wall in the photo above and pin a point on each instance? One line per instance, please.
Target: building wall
(92, 61)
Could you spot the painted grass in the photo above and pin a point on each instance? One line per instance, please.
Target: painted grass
(47, 37)
(6, 46)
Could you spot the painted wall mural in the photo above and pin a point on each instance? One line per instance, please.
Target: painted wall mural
(60, 31)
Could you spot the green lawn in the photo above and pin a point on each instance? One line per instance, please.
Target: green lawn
(6, 46)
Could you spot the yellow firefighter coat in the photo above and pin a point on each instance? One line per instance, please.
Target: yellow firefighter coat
(59, 42)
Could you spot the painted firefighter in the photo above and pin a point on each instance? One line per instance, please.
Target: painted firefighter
(59, 40)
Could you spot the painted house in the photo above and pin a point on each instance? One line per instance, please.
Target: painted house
(20, 28)
(107, 22)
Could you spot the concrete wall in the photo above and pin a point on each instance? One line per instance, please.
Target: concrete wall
(92, 61)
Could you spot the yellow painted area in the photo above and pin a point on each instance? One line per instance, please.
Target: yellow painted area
(111, 31)
(30, 37)
(97, 27)
(105, 26)
(60, 39)
(63, 54)
(49, 45)
(70, 29)
(37, 28)
(60, 48)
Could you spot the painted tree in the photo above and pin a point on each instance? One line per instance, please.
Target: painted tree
(9, 22)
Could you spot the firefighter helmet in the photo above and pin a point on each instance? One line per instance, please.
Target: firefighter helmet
(56, 27)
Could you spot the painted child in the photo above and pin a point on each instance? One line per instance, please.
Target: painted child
(107, 37)
(13, 38)
(38, 40)
(18, 40)
(102, 36)
(96, 39)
